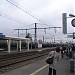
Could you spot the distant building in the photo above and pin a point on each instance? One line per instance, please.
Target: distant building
(2, 35)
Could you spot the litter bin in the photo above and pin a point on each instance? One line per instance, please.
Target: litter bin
(72, 65)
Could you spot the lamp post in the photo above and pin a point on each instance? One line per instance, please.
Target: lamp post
(73, 20)
(71, 15)
(64, 21)
(73, 24)
(64, 18)
(73, 47)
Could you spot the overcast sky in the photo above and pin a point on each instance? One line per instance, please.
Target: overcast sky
(46, 13)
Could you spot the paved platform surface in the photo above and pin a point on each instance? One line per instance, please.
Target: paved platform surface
(63, 67)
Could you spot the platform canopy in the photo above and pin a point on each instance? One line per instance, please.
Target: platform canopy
(18, 39)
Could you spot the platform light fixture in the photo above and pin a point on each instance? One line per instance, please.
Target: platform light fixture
(71, 15)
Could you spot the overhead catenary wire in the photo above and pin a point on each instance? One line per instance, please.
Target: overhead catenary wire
(14, 3)
(10, 18)
(37, 28)
(17, 5)
(27, 25)
(14, 19)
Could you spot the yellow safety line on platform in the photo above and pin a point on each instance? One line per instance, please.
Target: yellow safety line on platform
(39, 70)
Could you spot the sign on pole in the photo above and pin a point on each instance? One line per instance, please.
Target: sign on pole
(39, 43)
(64, 23)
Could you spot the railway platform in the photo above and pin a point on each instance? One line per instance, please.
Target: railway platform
(63, 67)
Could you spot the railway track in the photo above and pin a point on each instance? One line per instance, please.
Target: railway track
(14, 60)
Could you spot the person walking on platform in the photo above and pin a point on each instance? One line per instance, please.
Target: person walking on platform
(62, 51)
(56, 56)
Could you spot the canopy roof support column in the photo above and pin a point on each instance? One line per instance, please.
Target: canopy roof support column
(17, 45)
(20, 45)
(9, 42)
(28, 45)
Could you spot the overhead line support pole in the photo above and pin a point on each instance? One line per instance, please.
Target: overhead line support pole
(35, 33)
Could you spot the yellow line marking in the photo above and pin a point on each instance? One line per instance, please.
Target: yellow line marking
(39, 70)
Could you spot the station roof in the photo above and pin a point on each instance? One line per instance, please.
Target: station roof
(14, 38)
